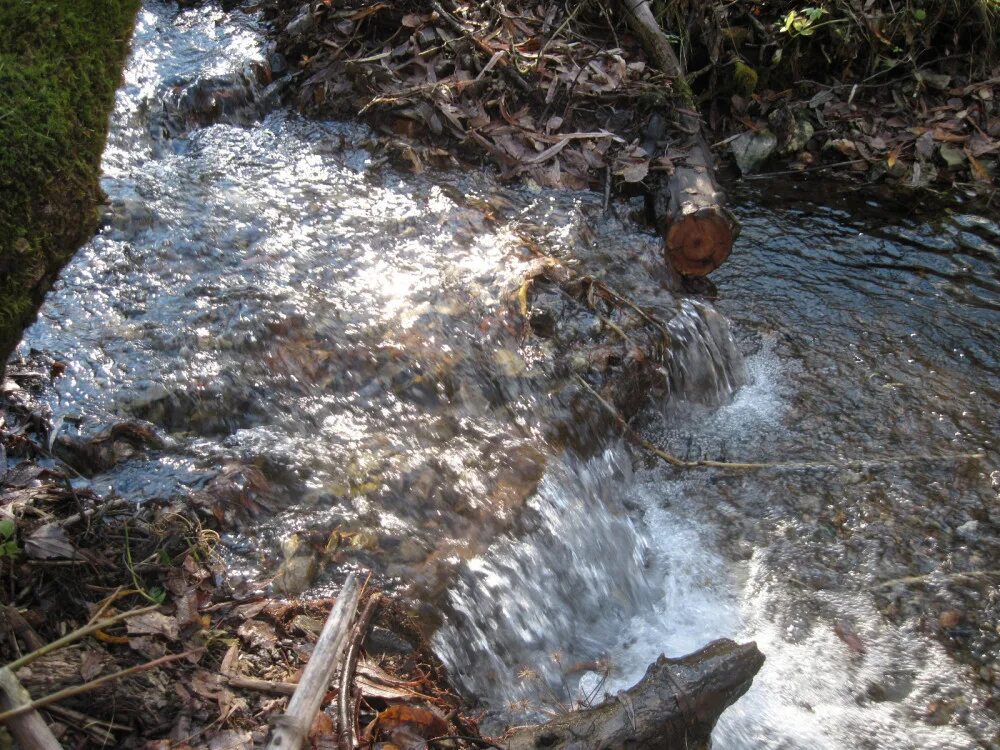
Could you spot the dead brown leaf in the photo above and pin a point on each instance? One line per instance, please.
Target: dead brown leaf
(48, 542)
(154, 623)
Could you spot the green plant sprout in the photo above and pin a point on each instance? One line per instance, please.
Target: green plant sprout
(802, 23)
(8, 542)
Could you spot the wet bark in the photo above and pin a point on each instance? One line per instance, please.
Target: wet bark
(675, 705)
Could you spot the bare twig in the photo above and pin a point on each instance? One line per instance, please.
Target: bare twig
(77, 635)
(344, 707)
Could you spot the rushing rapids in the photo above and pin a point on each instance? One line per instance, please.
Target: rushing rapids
(283, 305)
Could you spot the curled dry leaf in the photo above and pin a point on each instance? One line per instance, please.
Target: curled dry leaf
(154, 623)
(635, 171)
(48, 542)
(405, 725)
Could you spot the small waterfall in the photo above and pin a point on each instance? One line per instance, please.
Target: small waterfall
(531, 622)
(536, 610)
(704, 364)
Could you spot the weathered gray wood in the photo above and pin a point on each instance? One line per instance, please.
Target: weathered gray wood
(29, 729)
(292, 727)
(675, 705)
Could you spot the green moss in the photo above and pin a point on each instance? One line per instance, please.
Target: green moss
(60, 64)
(744, 79)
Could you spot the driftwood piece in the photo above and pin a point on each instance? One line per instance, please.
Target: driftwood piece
(697, 228)
(675, 705)
(292, 727)
(29, 729)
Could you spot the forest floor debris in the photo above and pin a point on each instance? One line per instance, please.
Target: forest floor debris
(561, 94)
(124, 614)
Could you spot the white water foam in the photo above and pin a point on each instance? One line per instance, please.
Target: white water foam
(595, 581)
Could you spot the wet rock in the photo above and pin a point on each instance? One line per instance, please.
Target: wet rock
(299, 568)
(409, 551)
(968, 531)
(938, 81)
(302, 23)
(949, 618)
(543, 322)
(128, 215)
(939, 713)
(100, 452)
(278, 63)
(951, 155)
(384, 641)
(793, 131)
(752, 149)
(894, 686)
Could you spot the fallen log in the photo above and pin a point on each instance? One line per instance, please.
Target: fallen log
(697, 228)
(675, 705)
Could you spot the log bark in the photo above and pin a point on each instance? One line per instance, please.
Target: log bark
(697, 228)
(675, 705)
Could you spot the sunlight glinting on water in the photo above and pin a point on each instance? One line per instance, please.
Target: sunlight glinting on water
(270, 295)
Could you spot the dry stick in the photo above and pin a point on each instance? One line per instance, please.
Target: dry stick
(88, 686)
(111, 505)
(557, 32)
(264, 686)
(99, 731)
(293, 726)
(509, 68)
(88, 722)
(29, 729)
(77, 635)
(680, 463)
(22, 629)
(344, 708)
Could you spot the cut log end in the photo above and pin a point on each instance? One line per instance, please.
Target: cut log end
(698, 243)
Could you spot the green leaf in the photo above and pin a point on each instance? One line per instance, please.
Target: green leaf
(920, 14)
(7, 528)
(814, 14)
(789, 21)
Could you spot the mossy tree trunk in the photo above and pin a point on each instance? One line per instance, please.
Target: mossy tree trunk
(60, 64)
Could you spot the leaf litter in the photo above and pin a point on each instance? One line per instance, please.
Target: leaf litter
(206, 666)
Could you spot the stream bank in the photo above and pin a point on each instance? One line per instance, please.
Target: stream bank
(563, 95)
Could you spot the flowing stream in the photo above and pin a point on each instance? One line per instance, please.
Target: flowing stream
(321, 332)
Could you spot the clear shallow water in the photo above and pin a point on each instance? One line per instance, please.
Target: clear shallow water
(283, 305)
